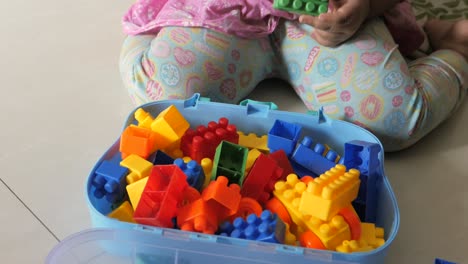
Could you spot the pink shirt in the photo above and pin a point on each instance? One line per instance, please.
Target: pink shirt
(244, 18)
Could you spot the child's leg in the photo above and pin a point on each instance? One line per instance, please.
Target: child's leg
(366, 81)
(181, 61)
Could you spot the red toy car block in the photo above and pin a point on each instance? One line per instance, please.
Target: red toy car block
(163, 194)
(261, 179)
(202, 142)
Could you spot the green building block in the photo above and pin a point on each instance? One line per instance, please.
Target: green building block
(307, 7)
(230, 161)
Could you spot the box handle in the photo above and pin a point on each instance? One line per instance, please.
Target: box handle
(322, 117)
(258, 108)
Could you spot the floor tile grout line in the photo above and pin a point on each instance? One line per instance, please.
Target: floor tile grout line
(29, 209)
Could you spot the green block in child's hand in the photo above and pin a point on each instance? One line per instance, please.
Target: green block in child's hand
(306, 7)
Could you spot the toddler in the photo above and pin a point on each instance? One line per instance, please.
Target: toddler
(345, 60)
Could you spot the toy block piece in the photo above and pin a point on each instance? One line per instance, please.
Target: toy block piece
(289, 237)
(306, 7)
(109, 181)
(261, 179)
(163, 194)
(170, 125)
(301, 171)
(161, 158)
(144, 118)
(229, 161)
(328, 194)
(138, 166)
(193, 171)
(207, 166)
(226, 198)
(225, 228)
(137, 140)
(198, 216)
(267, 228)
(251, 141)
(351, 217)
(313, 158)
(283, 135)
(332, 233)
(189, 196)
(372, 235)
(251, 157)
(247, 206)
(134, 191)
(364, 156)
(203, 141)
(310, 240)
(350, 246)
(283, 162)
(123, 213)
(442, 261)
(275, 206)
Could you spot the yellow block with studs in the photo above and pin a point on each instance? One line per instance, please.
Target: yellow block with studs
(138, 166)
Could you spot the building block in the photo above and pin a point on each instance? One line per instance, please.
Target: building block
(207, 166)
(331, 233)
(225, 198)
(251, 157)
(283, 135)
(203, 141)
(123, 213)
(306, 7)
(372, 235)
(247, 206)
(229, 161)
(351, 217)
(135, 190)
(441, 261)
(283, 162)
(160, 158)
(252, 141)
(193, 171)
(364, 156)
(301, 171)
(109, 181)
(144, 118)
(170, 125)
(198, 216)
(350, 246)
(275, 206)
(310, 240)
(162, 196)
(314, 157)
(189, 196)
(261, 179)
(267, 228)
(326, 195)
(137, 140)
(138, 166)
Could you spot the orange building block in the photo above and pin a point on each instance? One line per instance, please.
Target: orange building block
(331, 233)
(226, 198)
(198, 216)
(137, 140)
(251, 141)
(247, 206)
(169, 126)
(328, 194)
(123, 213)
(310, 240)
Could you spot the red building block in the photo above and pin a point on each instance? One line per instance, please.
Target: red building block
(283, 161)
(224, 198)
(261, 179)
(202, 142)
(163, 194)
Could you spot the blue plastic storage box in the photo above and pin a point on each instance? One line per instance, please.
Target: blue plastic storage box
(113, 241)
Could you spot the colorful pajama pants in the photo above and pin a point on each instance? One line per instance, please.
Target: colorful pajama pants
(365, 81)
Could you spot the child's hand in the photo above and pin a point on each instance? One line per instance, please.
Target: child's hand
(343, 19)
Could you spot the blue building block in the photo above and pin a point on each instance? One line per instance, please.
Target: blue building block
(225, 228)
(193, 171)
(109, 180)
(312, 157)
(160, 158)
(301, 171)
(267, 228)
(283, 135)
(441, 261)
(364, 156)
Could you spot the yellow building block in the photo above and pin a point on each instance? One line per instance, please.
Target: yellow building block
(326, 195)
(138, 166)
(123, 213)
(251, 141)
(144, 118)
(374, 236)
(251, 157)
(332, 233)
(169, 125)
(207, 166)
(350, 246)
(135, 190)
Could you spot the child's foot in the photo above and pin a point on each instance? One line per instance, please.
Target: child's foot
(448, 35)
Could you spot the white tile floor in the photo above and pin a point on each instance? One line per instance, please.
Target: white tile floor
(58, 73)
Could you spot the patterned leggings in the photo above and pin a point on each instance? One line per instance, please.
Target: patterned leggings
(365, 81)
